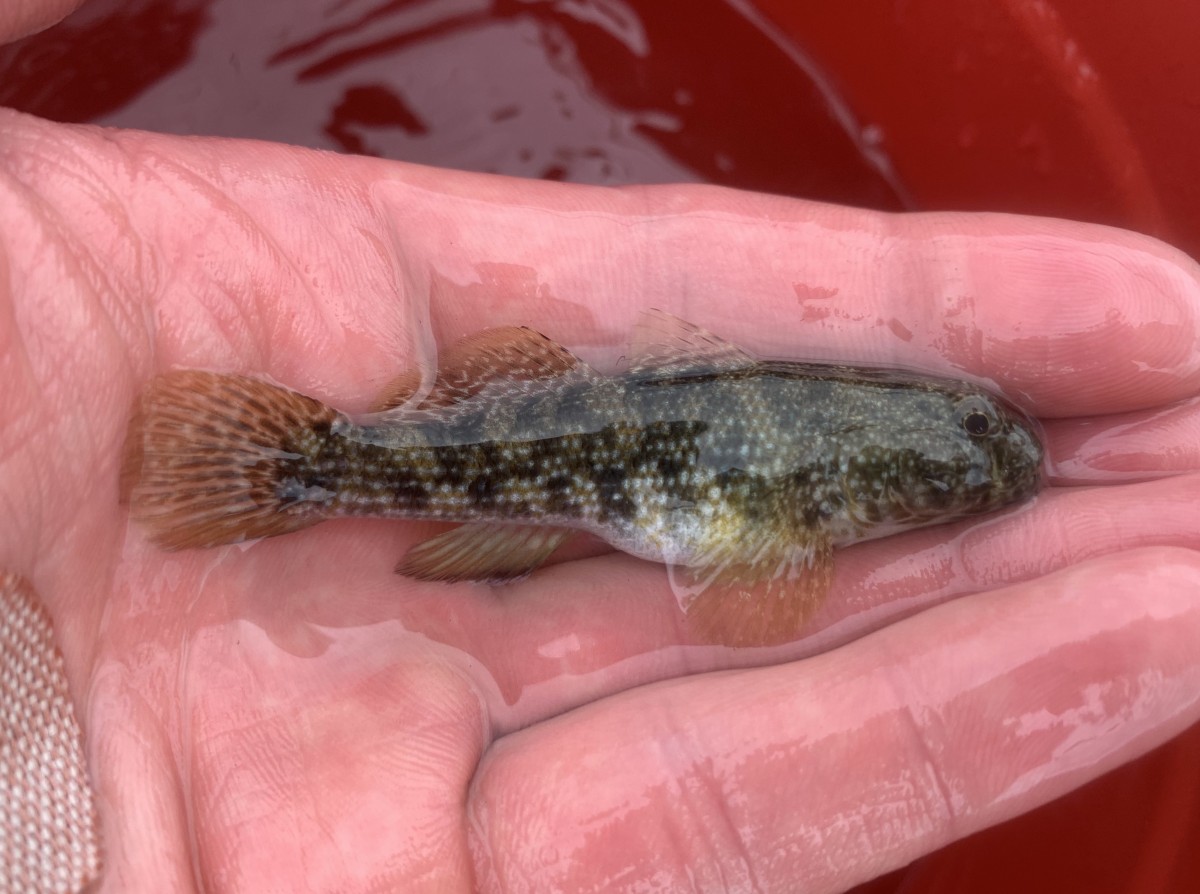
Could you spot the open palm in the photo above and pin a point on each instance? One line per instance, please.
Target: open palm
(292, 716)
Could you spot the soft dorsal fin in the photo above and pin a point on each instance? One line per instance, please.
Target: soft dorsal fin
(483, 551)
(665, 343)
(504, 354)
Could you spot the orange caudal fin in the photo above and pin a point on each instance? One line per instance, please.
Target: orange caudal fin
(207, 455)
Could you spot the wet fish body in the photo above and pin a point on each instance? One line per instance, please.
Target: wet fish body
(742, 475)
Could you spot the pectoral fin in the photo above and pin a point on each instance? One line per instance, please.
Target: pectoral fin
(763, 600)
(482, 551)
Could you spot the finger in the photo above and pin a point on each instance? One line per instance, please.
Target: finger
(1074, 319)
(19, 18)
(349, 268)
(823, 773)
(1129, 447)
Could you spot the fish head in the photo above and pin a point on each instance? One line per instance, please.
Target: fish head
(1006, 443)
(938, 453)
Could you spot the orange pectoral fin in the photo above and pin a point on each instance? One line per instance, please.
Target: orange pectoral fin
(764, 603)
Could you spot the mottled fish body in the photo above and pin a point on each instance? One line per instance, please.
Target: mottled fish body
(742, 475)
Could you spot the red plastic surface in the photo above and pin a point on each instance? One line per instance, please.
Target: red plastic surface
(1060, 107)
(564, 91)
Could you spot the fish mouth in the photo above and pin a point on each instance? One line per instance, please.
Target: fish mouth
(1017, 469)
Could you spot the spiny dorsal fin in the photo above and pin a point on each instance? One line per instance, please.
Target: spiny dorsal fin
(504, 354)
(758, 599)
(665, 343)
(483, 551)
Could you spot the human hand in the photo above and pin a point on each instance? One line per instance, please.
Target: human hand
(293, 716)
(19, 18)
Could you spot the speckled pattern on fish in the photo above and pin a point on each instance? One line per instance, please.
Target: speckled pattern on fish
(741, 474)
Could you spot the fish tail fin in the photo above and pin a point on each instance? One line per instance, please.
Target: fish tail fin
(208, 458)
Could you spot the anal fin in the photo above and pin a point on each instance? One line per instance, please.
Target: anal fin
(483, 551)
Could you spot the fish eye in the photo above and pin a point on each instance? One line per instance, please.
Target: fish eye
(977, 423)
(977, 418)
